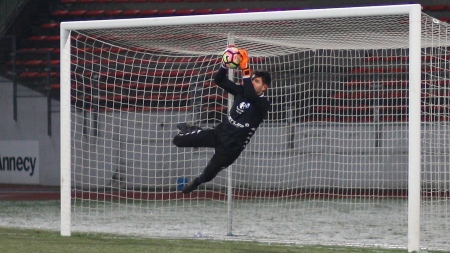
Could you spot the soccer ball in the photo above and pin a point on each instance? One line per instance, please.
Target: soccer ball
(231, 58)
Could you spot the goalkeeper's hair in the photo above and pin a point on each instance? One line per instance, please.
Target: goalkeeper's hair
(266, 79)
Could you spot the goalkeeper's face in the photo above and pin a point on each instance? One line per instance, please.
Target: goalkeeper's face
(259, 86)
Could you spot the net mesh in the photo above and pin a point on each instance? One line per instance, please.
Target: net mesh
(328, 165)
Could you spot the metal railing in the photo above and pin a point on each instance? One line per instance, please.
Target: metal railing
(42, 85)
(8, 10)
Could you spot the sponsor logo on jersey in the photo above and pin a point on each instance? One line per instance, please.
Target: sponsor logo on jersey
(234, 123)
(242, 107)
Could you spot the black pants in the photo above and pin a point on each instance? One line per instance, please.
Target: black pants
(225, 152)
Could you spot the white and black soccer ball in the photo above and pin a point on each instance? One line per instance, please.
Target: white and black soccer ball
(231, 58)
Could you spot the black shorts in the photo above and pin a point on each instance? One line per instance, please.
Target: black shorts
(209, 138)
(226, 150)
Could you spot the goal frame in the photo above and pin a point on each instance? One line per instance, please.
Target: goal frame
(414, 123)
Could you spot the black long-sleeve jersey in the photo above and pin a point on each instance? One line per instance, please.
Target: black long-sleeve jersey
(246, 114)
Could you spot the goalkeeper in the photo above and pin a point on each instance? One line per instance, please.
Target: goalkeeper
(230, 137)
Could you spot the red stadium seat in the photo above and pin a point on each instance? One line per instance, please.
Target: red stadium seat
(148, 12)
(157, 1)
(202, 11)
(121, 1)
(358, 84)
(29, 74)
(429, 69)
(95, 13)
(77, 12)
(55, 86)
(60, 13)
(362, 70)
(209, 85)
(33, 62)
(49, 25)
(104, 1)
(37, 38)
(113, 12)
(352, 95)
(175, 1)
(444, 83)
(139, 1)
(130, 12)
(53, 74)
(386, 58)
(193, 1)
(41, 49)
(218, 108)
(167, 12)
(27, 49)
(441, 7)
(397, 70)
(53, 38)
(239, 10)
(215, 97)
(393, 94)
(221, 11)
(107, 86)
(184, 12)
(275, 9)
(256, 9)
(55, 62)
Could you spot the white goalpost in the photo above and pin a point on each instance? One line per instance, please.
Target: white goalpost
(354, 151)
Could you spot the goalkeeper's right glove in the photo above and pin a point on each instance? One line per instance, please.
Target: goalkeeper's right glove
(246, 72)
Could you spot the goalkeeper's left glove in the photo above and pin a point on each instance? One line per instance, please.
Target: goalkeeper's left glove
(246, 72)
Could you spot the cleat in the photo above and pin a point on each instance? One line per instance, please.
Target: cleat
(187, 127)
(190, 187)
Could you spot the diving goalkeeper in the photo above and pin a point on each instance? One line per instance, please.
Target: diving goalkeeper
(230, 137)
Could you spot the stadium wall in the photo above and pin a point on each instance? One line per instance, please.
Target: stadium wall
(136, 150)
(161, 163)
(31, 125)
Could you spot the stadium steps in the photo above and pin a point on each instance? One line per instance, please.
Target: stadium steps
(46, 37)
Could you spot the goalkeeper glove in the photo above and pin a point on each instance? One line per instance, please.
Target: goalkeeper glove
(246, 72)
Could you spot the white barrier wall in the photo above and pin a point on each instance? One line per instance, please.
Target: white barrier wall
(131, 150)
(136, 150)
(321, 152)
(31, 125)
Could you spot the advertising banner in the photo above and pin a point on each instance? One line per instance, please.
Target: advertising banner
(19, 162)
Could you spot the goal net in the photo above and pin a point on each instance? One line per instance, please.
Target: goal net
(357, 134)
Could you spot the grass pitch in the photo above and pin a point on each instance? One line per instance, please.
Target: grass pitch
(31, 240)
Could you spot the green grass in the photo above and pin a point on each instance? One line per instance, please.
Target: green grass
(35, 241)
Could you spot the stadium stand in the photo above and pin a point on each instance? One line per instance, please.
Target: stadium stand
(45, 38)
